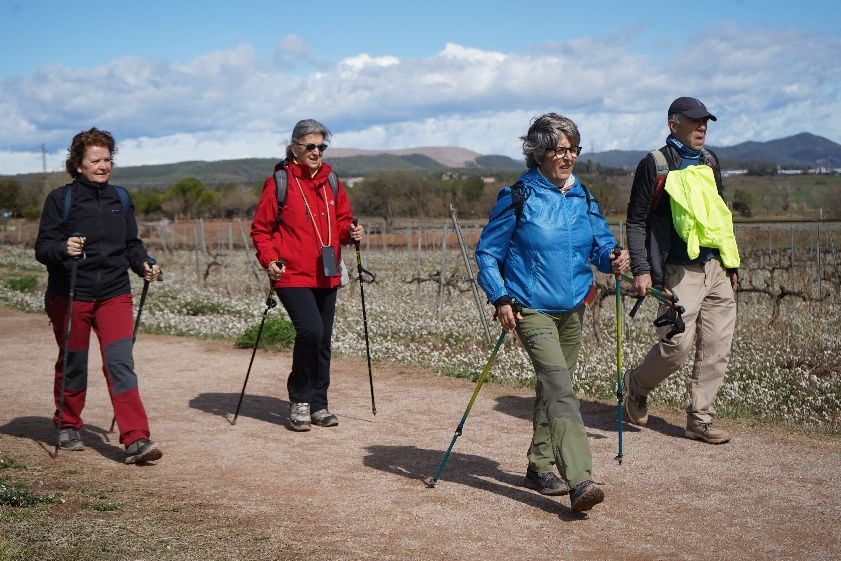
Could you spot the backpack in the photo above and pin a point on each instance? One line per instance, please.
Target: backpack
(663, 171)
(282, 186)
(122, 194)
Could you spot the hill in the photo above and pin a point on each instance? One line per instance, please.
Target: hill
(801, 150)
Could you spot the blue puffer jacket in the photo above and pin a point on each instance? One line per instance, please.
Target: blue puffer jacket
(546, 257)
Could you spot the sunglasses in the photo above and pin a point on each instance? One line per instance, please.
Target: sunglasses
(311, 147)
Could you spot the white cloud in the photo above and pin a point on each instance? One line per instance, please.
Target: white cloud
(227, 104)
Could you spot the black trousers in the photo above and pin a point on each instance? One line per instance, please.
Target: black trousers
(311, 311)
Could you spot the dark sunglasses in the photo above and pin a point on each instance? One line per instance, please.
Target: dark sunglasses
(311, 147)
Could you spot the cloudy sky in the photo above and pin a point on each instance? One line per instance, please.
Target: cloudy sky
(179, 80)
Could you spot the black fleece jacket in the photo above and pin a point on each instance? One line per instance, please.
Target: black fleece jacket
(650, 231)
(111, 245)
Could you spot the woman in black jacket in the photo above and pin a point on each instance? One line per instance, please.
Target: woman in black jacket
(91, 222)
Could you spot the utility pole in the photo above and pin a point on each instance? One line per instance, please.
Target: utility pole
(45, 187)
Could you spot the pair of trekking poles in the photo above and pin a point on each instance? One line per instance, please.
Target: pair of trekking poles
(271, 303)
(672, 316)
(74, 269)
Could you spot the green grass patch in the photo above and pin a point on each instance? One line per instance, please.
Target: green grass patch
(16, 494)
(22, 284)
(278, 334)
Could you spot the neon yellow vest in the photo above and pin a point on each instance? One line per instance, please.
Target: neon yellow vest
(699, 214)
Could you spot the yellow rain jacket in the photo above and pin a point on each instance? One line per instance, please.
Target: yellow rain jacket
(699, 214)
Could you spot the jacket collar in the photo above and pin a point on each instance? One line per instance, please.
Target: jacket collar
(534, 178)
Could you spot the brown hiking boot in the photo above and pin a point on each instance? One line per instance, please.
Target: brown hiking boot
(585, 496)
(636, 405)
(699, 430)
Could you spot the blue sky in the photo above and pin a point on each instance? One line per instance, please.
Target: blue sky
(213, 80)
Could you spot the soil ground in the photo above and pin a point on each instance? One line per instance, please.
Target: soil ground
(256, 490)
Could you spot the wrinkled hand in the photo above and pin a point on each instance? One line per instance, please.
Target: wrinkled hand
(75, 246)
(642, 282)
(275, 269)
(357, 232)
(506, 317)
(620, 262)
(151, 272)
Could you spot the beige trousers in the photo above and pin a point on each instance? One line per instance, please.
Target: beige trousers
(710, 317)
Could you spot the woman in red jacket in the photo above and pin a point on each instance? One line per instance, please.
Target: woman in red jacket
(300, 248)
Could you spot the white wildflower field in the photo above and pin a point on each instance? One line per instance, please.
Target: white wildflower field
(784, 368)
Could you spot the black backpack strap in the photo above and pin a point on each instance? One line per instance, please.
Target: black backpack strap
(333, 180)
(123, 195)
(281, 185)
(519, 194)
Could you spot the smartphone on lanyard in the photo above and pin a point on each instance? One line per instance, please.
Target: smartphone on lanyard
(328, 261)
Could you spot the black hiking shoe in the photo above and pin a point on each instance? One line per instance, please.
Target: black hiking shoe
(546, 483)
(70, 439)
(324, 418)
(585, 496)
(141, 451)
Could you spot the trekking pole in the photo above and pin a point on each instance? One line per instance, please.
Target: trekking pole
(618, 290)
(431, 481)
(270, 303)
(152, 262)
(359, 271)
(74, 268)
(672, 316)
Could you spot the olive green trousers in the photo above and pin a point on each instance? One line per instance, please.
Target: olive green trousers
(559, 438)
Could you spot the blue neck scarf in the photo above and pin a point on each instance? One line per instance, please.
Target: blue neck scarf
(685, 152)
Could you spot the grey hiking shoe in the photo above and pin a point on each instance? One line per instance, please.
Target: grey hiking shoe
(546, 483)
(699, 430)
(70, 439)
(141, 451)
(324, 418)
(585, 496)
(299, 416)
(636, 405)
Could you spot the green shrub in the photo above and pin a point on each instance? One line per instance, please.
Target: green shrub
(22, 284)
(278, 334)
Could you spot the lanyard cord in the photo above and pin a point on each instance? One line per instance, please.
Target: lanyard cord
(312, 217)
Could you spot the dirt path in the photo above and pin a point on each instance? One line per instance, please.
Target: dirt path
(355, 491)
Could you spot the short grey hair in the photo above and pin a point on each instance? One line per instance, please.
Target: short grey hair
(302, 129)
(675, 118)
(543, 136)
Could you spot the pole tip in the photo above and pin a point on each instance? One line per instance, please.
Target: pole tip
(429, 482)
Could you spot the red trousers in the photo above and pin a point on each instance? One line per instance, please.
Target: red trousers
(112, 321)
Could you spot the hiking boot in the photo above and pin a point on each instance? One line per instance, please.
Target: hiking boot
(546, 483)
(142, 450)
(585, 496)
(636, 405)
(698, 430)
(324, 418)
(70, 439)
(299, 416)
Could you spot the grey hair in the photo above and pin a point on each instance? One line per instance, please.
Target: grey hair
(543, 135)
(302, 129)
(675, 118)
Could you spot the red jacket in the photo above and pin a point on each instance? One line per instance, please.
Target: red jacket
(295, 240)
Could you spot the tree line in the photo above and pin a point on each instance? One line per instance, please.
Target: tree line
(387, 195)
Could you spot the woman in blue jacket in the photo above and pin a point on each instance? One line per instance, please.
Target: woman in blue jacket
(534, 261)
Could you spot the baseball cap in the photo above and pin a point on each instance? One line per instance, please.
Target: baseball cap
(691, 107)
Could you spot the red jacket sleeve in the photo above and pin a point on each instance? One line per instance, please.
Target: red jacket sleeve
(264, 232)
